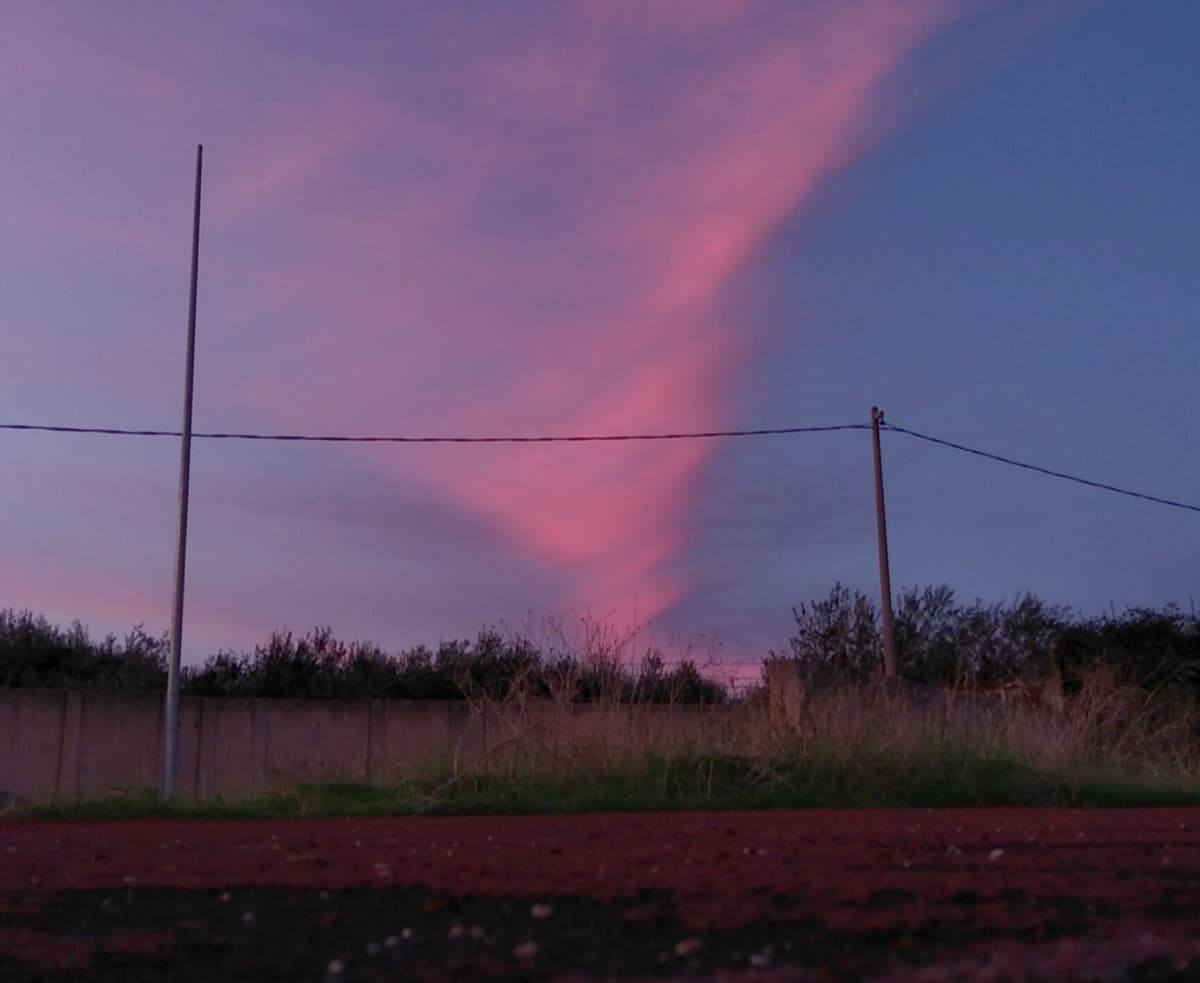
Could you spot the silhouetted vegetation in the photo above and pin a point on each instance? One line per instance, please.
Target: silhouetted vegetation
(33, 653)
(941, 640)
(938, 639)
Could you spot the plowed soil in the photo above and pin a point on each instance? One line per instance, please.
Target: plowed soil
(911, 894)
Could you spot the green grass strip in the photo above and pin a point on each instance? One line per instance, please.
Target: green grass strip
(942, 775)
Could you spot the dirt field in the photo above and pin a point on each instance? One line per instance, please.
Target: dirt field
(912, 894)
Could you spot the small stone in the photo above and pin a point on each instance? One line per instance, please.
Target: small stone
(226, 896)
(760, 960)
(373, 948)
(526, 950)
(685, 947)
(248, 917)
(995, 855)
(406, 933)
(336, 967)
(541, 910)
(475, 931)
(456, 932)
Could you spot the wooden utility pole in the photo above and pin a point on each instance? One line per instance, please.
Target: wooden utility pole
(885, 576)
(171, 712)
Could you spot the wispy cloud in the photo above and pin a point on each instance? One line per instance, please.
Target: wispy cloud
(484, 220)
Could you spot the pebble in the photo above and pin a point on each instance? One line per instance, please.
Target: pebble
(541, 910)
(995, 855)
(248, 917)
(526, 950)
(685, 947)
(336, 967)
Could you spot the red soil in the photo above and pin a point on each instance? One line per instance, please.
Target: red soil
(965, 892)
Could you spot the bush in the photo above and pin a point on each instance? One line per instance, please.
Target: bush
(492, 667)
(941, 641)
(34, 653)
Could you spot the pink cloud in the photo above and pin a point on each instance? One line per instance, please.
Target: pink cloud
(426, 292)
(524, 233)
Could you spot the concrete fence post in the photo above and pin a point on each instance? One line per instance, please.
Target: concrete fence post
(787, 696)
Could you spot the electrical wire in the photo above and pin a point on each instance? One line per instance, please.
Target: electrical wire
(344, 439)
(599, 438)
(1040, 470)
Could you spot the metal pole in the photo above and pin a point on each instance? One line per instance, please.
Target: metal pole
(171, 723)
(885, 576)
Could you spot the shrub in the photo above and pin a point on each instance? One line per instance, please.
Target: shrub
(34, 653)
(940, 640)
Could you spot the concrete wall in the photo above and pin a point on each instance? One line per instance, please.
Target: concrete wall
(72, 744)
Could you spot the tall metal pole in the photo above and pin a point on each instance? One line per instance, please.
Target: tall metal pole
(171, 715)
(885, 576)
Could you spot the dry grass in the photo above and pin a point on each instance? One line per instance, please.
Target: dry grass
(1107, 731)
(849, 744)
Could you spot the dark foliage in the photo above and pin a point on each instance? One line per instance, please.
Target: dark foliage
(318, 666)
(937, 640)
(33, 653)
(941, 640)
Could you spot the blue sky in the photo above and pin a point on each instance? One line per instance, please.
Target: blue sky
(599, 217)
(1015, 269)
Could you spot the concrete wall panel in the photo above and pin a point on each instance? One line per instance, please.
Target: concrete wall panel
(315, 739)
(31, 726)
(72, 744)
(411, 735)
(226, 763)
(119, 742)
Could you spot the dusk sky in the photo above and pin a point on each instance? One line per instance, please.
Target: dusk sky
(466, 218)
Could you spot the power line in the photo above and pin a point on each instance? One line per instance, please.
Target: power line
(597, 438)
(1033, 467)
(350, 439)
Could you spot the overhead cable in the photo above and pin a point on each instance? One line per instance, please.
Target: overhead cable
(598, 438)
(351, 439)
(1047, 471)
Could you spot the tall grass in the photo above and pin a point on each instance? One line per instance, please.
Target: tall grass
(857, 744)
(578, 723)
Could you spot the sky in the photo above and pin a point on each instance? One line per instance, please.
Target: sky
(621, 216)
